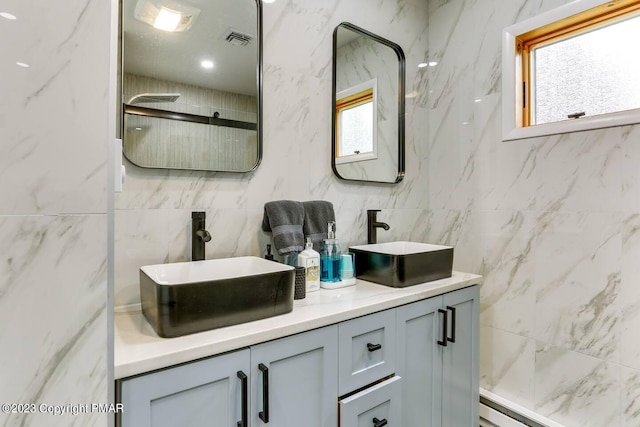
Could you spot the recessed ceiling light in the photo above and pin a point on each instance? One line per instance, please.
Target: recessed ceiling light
(7, 15)
(166, 15)
(422, 65)
(167, 20)
(477, 100)
(22, 64)
(433, 63)
(268, 1)
(138, 128)
(206, 64)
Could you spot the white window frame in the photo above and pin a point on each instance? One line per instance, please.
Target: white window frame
(369, 155)
(512, 128)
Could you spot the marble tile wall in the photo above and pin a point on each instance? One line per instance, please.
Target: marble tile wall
(153, 213)
(53, 215)
(552, 223)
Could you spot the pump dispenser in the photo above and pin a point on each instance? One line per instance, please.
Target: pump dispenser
(310, 260)
(330, 256)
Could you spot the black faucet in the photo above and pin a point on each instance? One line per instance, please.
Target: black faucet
(199, 235)
(373, 224)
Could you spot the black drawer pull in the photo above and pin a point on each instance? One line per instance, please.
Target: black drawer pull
(453, 324)
(444, 327)
(264, 414)
(379, 423)
(373, 347)
(244, 415)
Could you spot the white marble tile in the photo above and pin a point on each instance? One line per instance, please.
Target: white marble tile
(450, 24)
(451, 159)
(508, 255)
(53, 307)
(576, 390)
(52, 151)
(630, 397)
(142, 237)
(509, 371)
(630, 293)
(630, 160)
(577, 276)
(175, 189)
(504, 172)
(580, 172)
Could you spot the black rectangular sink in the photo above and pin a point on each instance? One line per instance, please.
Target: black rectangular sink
(188, 297)
(402, 264)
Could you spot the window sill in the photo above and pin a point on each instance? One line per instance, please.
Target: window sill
(355, 158)
(621, 118)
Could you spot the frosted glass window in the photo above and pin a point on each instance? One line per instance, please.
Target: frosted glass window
(356, 130)
(593, 73)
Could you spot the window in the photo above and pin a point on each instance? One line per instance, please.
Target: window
(571, 69)
(356, 114)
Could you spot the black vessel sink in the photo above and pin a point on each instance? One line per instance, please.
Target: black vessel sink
(402, 264)
(187, 297)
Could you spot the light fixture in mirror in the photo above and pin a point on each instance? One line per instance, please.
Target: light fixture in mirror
(191, 86)
(368, 106)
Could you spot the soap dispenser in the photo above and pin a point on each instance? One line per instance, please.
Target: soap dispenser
(310, 260)
(330, 257)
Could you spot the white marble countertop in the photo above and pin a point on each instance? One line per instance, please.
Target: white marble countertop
(138, 349)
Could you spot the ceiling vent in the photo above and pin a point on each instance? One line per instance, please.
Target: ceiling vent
(237, 38)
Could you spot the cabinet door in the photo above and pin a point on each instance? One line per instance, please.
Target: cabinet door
(460, 359)
(366, 349)
(419, 327)
(378, 405)
(205, 393)
(294, 380)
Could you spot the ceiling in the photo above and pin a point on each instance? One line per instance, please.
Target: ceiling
(177, 56)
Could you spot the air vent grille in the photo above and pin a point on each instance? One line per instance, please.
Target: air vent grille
(237, 38)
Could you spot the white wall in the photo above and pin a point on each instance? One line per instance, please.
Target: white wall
(153, 213)
(53, 215)
(552, 223)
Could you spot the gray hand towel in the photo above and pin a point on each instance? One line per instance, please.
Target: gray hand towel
(317, 214)
(284, 218)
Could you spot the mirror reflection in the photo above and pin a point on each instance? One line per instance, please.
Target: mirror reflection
(191, 84)
(368, 119)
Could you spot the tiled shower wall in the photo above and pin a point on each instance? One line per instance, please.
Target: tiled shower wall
(53, 214)
(153, 213)
(552, 223)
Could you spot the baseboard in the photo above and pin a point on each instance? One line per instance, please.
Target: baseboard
(503, 413)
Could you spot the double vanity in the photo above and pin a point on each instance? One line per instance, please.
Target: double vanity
(364, 355)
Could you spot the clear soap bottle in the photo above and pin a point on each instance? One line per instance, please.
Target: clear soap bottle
(330, 256)
(310, 260)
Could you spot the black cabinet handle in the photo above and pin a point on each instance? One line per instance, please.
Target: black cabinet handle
(444, 327)
(244, 414)
(373, 347)
(264, 414)
(379, 423)
(453, 324)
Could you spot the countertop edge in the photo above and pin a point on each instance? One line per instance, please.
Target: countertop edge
(138, 350)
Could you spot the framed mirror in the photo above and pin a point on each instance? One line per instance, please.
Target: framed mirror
(192, 84)
(368, 106)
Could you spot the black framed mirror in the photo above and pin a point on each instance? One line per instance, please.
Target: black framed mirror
(368, 123)
(192, 84)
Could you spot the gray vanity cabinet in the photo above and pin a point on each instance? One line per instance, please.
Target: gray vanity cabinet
(301, 372)
(204, 393)
(438, 361)
(290, 382)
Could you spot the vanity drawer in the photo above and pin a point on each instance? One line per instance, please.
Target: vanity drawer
(366, 350)
(378, 405)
